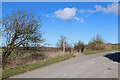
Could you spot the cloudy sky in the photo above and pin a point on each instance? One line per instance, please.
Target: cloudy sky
(76, 21)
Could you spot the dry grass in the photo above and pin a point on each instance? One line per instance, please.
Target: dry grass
(31, 58)
(14, 71)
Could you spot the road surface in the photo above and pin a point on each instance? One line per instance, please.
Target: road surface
(100, 65)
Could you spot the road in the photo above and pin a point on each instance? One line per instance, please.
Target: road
(100, 65)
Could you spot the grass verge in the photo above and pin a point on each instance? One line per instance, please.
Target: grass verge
(93, 52)
(14, 71)
(0, 50)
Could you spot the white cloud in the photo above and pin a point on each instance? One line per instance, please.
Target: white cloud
(82, 11)
(47, 15)
(66, 13)
(113, 8)
(77, 18)
(91, 11)
(70, 13)
(99, 8)
(81, 20)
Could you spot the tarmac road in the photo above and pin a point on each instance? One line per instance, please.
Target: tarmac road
(100, 65)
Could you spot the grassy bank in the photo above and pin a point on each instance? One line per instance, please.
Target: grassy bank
(14, 71)
(93, 52)
(0, 50)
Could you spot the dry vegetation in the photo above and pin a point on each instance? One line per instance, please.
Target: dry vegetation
(21, 69)
(23, 56)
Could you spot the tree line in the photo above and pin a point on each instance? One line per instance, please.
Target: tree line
(80, 45)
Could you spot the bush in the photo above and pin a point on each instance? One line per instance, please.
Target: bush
(79, 46)
(96, 43)
(96, 46)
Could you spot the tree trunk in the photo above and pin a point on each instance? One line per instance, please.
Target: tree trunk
(5, 57)
(78, 50)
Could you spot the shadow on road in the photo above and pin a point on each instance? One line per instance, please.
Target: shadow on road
(114, 56)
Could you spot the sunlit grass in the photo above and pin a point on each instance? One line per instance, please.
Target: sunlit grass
(93, 52)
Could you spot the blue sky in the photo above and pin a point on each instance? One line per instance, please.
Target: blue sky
(77, 21)
(60, 0)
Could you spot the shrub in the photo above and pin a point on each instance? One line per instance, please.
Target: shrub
(96, 43)
(79, 46)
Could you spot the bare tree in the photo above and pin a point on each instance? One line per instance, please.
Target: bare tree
(62, 43)
(20, 28)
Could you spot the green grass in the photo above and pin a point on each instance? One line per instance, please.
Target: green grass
(14, 71)
(0, 50)
(93, 52)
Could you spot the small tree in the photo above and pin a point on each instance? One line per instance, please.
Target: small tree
(69, 47)
(97, 39)
(96, 43)
(20, 28)
(79, 46)
(62, 43)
